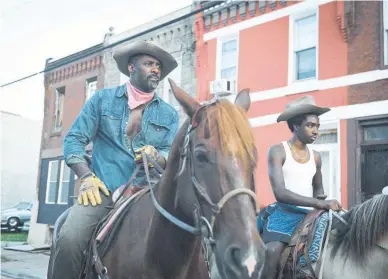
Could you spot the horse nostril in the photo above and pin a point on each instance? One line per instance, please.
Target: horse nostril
(233, 259)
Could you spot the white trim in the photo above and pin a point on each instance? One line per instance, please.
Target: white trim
(336, 113)
(291, 43)
(332, 147)
(313, 85)
(265, 18)
(61, 180)
(385, 30)
(220, 41)
(48, 182)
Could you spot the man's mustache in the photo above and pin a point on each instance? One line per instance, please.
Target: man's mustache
(155, 77)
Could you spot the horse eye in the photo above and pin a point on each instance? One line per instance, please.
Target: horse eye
(201, 157)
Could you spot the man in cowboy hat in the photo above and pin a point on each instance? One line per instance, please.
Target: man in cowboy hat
(121, 122)
(296, 179)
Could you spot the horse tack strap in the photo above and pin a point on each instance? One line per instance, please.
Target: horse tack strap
(231, 194)
(161, 210)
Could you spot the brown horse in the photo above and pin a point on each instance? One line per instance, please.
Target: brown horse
(204, 193)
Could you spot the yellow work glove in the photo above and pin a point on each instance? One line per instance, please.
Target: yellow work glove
(150, 151)
(89, 190)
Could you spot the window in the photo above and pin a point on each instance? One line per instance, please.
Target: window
(305, 47)
(59, 103)
(64, 184)
(385, 30)
(58, 182)
(327, 146)
(91, 87)
(52, 181)
(229, 58)
(376, 132)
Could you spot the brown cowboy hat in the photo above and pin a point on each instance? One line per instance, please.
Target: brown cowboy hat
(300, 106)
(122, 55)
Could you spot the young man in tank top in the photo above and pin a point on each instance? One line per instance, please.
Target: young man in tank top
(296, 179)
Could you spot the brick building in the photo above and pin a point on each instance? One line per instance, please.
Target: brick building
(335, 51)
(176, 38)
(71, 80)
(67, 88)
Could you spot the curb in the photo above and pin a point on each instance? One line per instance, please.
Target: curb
(18, 275)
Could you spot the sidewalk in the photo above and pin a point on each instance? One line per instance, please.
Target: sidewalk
(29, 265)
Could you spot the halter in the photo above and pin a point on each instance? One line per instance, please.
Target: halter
(203, 227)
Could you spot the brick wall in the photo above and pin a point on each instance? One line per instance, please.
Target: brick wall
(364, 51)
(75, 97)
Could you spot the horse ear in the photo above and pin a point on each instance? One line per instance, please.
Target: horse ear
(189, 104)
(243, 99)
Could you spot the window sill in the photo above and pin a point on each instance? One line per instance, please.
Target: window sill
(302, 86)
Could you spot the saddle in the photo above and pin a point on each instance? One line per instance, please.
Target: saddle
(301, 241)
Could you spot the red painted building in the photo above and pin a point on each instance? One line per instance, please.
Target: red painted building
(335, 51)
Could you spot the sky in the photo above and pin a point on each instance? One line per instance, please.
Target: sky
(33, 30)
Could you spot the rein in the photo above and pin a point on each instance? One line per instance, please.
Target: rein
(203, 227)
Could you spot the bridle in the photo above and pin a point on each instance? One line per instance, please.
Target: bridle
(203, 227)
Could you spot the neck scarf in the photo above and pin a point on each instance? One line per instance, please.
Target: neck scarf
(137, 97)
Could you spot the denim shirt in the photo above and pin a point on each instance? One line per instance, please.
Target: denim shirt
(103, 120)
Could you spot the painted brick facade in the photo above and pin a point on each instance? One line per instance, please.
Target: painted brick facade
(349, 69)
(365, 51)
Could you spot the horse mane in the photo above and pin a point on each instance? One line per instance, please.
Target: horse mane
(367, 223)
(235, 135)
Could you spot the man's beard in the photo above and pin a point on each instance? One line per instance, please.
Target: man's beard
(153, 83)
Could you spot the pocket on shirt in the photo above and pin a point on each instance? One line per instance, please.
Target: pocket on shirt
(156, 133)
(111, 123)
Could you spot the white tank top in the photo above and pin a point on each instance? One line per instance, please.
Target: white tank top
(298, 177)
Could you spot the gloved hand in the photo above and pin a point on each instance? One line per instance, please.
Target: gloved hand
(89, 190)
(150, 151)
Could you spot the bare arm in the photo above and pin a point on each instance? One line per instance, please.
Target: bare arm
(276, 160)
(318, 191)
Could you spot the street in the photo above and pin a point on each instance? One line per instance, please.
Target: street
(15, 264)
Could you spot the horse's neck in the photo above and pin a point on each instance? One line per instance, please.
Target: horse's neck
(166, 243)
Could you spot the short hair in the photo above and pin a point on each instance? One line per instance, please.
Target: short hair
(134, 58)
(296, 120)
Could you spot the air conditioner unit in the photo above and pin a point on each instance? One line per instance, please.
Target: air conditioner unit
(222, 87)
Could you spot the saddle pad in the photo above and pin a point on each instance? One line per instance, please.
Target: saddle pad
(316, 245)
(117, 211)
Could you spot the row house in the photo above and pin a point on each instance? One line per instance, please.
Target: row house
(72, 80)
(69, 82)
(335, 51)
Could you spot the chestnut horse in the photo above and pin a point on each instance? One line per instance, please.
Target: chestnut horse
(205, 193)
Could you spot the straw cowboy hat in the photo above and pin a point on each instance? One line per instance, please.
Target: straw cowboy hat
(122, 55)
(301, 106)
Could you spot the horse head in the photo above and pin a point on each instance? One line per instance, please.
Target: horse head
(218, 158)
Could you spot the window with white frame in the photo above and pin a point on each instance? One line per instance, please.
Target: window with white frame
(327, 146)
(52, 181)
(228, 55)
(64, 184)
(305, 47)
(91, 87)
(58, 182)
(59, 104)
(385, 30)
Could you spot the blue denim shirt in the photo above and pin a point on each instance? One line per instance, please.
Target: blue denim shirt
(103, 120)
